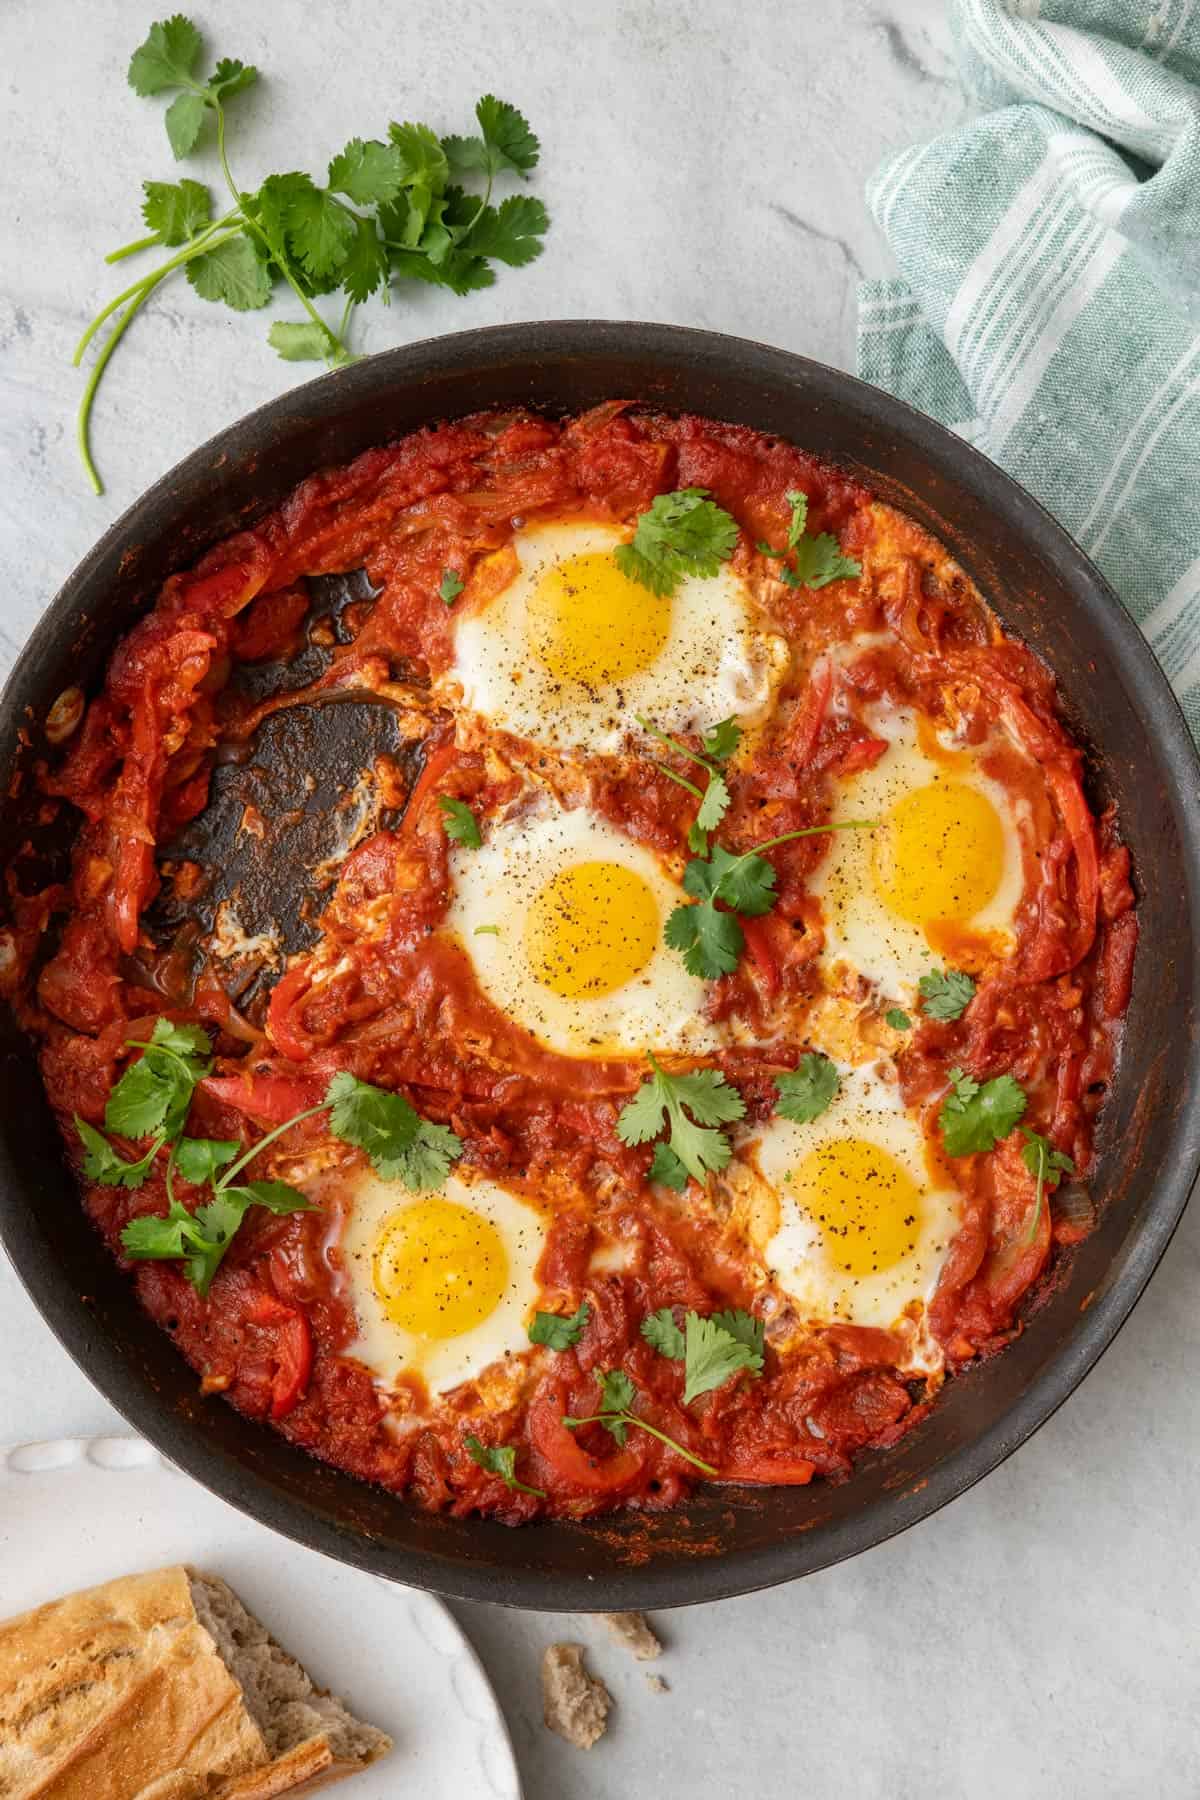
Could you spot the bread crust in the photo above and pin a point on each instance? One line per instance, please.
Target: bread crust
(119, 1693)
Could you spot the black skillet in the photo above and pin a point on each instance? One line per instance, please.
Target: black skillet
(724, 1541)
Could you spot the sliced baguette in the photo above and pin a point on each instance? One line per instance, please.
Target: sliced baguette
(163, 1687)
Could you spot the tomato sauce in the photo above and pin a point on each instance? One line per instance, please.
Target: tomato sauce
(382, 994)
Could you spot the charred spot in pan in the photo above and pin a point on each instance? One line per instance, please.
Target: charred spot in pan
(244, 884)
(304, 645)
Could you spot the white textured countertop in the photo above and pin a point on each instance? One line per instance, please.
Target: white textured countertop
(703, 164)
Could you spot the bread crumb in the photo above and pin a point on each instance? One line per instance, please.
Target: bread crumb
(574, 1703)
(657, 1684)
(632, 1633)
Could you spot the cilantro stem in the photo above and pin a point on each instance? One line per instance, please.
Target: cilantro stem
(202, 241)
(681, 780)
(628, 1418)
(171, 1172)
(811, 831)
(673, 744)
(278, 255)
(144, 243)
(255, 1149)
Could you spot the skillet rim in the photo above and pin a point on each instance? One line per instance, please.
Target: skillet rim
(698, 1579)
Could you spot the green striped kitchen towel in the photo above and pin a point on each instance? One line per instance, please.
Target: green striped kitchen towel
(1049, 310)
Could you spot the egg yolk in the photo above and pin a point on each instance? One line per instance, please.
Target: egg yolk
(939, 854)
(865, 1202)
(590, 929)
(590, 624)
(439, 1269)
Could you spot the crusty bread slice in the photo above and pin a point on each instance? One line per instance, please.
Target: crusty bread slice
(163, 1687)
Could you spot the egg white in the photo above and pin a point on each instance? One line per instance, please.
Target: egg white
(495, 886)
(803, 1260)
(716, 662)
(387, 1349)
(863, 936)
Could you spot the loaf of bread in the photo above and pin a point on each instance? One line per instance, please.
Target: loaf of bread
(163, 1687)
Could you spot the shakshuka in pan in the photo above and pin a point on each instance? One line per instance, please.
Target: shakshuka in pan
(685, 1052)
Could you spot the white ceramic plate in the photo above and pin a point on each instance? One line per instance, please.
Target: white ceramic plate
(81, 1510)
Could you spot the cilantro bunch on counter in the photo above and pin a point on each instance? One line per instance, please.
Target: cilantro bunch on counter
(409, 207)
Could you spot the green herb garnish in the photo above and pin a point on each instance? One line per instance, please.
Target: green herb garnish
(974, 1117)
(945, 995)
(807, 561)
(501, 1460)
(684, 533)
(556, 1331)
(661, 1099)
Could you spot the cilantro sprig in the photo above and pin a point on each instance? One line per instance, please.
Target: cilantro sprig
(711, 1349)
(945, 994)
(501, 1460)
(693, 1145)
(401, 1145)
(558, 1331)
(719, 744)
(806, 560)
(809, 1089)
(153, 1099)
(975, 1115)
(616, 1414)
(722, 885)
(407, 207)
(684, 533)
(1047, 1166)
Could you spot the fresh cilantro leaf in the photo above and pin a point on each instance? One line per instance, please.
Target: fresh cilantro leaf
(199, 1160)
(556, 1331)
(103, 1164)
(509, 141)
(806, 1091)
(499, 1459)
(748, 1330)
(153, 1094)
(798, 501)
(233, 273)
(975, 1117)
(1046, 1164)
(465, 156)
(462, 274)
(276, 1196)
(230, 76)
(512, 232)
(899, 1021)
(817, 561)
(711, 941)
(302, 342)
(663, 1334)
(946, 996)
(697, 840)
(811, 562)
(367, 172)
(200, 1239)
(176, 210)
(184, 120)
(712, 1355)
(714, 805)
(707, 1096)
(365, 265)
(401, 1145)
(722, 740)
(462, 827)
(319, 228)
(189, 1042)
(665, 1167)
(452, 586)
(168, 57)
(745, 883)
(617, 1395)
(683, 533)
